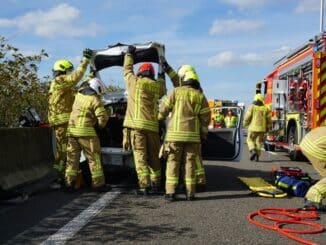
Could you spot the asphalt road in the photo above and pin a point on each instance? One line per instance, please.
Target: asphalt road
(218, 216)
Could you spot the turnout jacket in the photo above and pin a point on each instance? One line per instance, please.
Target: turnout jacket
(190, 115)
(61, 94)
(257, 118)
(314, 143)
(87, 111)
(143, 98)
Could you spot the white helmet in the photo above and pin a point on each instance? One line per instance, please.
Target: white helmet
(97, 85)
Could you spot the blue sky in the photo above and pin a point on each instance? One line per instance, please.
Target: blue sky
(232, 43)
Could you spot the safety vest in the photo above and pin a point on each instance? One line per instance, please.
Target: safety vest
(61, 95)
(231, 121)
(190, 115)
(219, 118)
(143, 96)
(314, 143)
(258, 118)
(87, 111)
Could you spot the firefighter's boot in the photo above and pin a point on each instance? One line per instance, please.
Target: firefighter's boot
(253, 154)
(170, 197)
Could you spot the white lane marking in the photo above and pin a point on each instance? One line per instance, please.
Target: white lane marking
(269, 152)
(69, 230)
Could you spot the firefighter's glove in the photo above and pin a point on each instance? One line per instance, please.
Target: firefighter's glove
(88, 53)
(131, 49)
(126, 140)
(164, 63)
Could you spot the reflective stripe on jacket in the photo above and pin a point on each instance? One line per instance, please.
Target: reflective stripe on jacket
(258, 118)
(314, 143)
(87, 111)
(190, 115)
(61, 95)
(143, 96)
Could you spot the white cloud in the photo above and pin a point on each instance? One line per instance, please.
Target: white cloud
(307, 6)
(56, 22)
(232, 59)
(242, 4)
(233, 25)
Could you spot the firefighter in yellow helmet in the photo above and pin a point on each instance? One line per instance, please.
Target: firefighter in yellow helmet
(141, 123)
(188, 125)
(176, 79)
(258, 120)
(61, 98)
(87, 112)
(313, 146)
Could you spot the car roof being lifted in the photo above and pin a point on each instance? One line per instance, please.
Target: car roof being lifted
(114, 54)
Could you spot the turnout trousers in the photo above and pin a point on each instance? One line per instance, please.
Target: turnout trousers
(185, 154)
(200, 170)
(317, 192)
(92, 150)
(59, 164)
(255, 141)
(146, 145)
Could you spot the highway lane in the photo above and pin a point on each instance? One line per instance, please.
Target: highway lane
(218, 216)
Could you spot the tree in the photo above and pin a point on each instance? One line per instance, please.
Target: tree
(20, 87)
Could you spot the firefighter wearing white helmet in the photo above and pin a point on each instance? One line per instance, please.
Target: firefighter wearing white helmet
(177, 79)
(87, 112)
(258, 120)
(61, 98)
(187, 104)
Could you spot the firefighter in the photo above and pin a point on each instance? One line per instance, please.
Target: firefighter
(188, 125)
(218, 119)
(141, 123)
(230, 119)
(258, 120)
(61, 98)
(176, 79)
(87, 113)
(313, 146)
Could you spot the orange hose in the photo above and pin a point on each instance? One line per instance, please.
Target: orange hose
(293, 216)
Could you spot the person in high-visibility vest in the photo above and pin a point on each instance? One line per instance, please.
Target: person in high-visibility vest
(61, 98)
(219, 119)
(87, 112)
(230, 119)
(258, 120)
(188, 125)
(141, 122)
(313, 146)
(176, 78)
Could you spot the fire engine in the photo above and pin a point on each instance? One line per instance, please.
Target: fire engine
(295, 90)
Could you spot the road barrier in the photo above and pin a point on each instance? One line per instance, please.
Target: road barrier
(26, 155)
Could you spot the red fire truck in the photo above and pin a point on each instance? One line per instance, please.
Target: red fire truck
(295, 90)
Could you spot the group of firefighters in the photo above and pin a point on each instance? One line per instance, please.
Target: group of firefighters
(229, 120)
(74, 117)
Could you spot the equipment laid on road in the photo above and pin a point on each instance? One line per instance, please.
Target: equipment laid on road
(262, 188)
(292, 216)
(295, 91)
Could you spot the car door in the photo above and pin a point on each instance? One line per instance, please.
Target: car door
(225, 143)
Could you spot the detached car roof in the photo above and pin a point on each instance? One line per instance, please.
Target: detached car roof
(114, 54)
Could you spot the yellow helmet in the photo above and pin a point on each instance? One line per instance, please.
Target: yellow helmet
(259, 97)
(190, 75)
(63, 66)
(185, 68)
